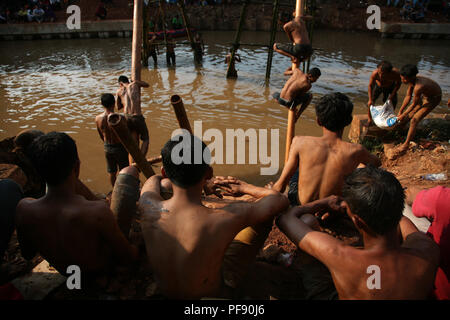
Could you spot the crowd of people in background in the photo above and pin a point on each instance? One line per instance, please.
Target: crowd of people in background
(31, 11)
(416, 10)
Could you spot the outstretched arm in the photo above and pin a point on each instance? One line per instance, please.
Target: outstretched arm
(142, 83)
(270, 202)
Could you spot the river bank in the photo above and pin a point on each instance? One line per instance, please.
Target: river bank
(225, 17)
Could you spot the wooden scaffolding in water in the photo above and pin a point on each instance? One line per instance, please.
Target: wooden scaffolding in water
(161, 14)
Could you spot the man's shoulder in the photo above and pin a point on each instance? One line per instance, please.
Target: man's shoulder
(420, 244)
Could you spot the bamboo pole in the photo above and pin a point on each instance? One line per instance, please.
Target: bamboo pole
(299, 9)
(145, 32)
(163, 17)
(237, 39)
(180, 113)
(272, 38)
(137, 42)
(187, 25)
(154, 160)
(119, 125)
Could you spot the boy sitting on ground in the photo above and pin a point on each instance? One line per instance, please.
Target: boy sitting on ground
(318, 165)
(396, 262)
(195, 251)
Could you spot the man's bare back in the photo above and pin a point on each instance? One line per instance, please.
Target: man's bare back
(69, 230)
(105, 132)
(186, 242)
(297, 31)
(296, 85)
(323, 164)
(398, 278)
(427, 87)
(396, 261)
(129, 97)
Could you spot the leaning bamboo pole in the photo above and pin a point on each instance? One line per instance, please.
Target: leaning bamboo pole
(180, 113)
(272, 38)
(163, 19)
(237, 39)
(187, 25)
(299, 9)
(119, 125)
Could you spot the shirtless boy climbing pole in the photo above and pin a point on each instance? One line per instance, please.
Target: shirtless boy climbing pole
(129, 98)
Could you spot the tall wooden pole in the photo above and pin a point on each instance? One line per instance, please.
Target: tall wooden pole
(163, 17)
(145, 32)
(272, 38)
(237, 39)
(136, 47)
(291, 116)
(187, 25)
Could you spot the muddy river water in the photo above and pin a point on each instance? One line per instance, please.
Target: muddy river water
(55, 85)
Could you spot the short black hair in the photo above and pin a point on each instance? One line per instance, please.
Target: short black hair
(185, 172)
(108, 100)
(385, 66)
(315, 72)
(376, 196)
(54, 156)
(334, 111)
(124, 79)
(409, 71)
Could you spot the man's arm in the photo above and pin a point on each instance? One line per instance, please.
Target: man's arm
(142, 84)
(320, 245)
(407, 99)
(367, 158)
(370, 89)
(100, 133)
(26, 246)
(288, 29)
(416, 102)
(398, 83)
(152, 189)
(290, 167)
(270, 203)
(109, 229)
(119, 104)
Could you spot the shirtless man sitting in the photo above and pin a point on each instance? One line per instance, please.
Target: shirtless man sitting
(396, 262)
(300, 47)
(385, 79)
(128, 97)
(295, 91)
(427, 96)
(65, 228)
(320, 164)
(193, 250)
(115, 153)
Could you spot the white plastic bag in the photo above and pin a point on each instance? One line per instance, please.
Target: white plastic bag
(384, 116)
